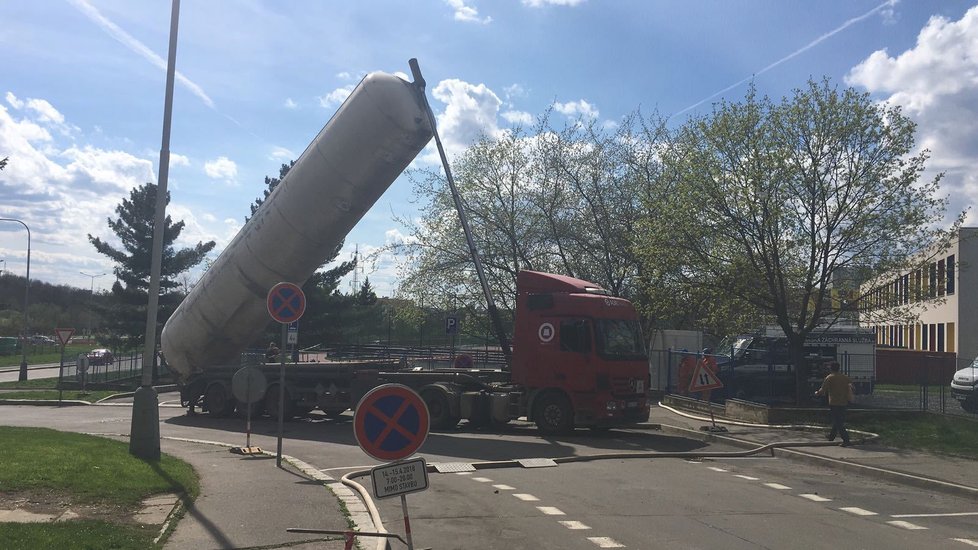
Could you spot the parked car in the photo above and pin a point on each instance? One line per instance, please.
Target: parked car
(39, 339)
(100, 356)
(964, 387)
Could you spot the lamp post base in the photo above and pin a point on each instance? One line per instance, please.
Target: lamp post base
(144, 432)
(23, 371)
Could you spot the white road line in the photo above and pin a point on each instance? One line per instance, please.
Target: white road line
(551, 511)
(482, 479)
(715, 469)
(525, 497)
(777, 486)
(815, 498)
(969, 542)
(463, 473)
(858, 511)
(906, 525)
(606, 542)
(576, 525)
(748, 478)
(502, 487)
(948, 515)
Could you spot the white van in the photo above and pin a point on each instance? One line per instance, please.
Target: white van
(964, 387)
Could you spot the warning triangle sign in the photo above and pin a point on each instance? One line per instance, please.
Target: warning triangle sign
(704, 379)
(64, 334)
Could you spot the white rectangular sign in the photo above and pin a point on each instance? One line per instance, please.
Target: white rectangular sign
(400, 478)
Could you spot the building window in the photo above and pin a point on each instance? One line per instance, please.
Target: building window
(906, 289)
(923, 338)
(932, 281)
(950, 274)
(940, 337)
(950, 337)
(932, 338)
(941, 281)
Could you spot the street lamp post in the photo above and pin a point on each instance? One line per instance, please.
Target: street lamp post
(91, 298)
(27, 295)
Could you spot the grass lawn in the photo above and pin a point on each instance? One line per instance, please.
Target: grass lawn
(52, 395)
(923, 431)
(93, 476)
(38, 355)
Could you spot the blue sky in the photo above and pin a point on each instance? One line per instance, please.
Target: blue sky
(81, 92)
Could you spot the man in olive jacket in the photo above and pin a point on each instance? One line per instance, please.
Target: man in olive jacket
(837, 386)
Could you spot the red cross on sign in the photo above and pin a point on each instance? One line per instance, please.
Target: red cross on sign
(391, 422)
(286, 302)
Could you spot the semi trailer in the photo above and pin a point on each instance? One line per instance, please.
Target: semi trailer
(578, 357)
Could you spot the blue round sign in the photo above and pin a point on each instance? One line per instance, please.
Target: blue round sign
(286, 302)
(391, 422)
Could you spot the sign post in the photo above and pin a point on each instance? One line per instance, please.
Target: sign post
(248, 386)
(64, 335)
(286, 303)
(391, 422)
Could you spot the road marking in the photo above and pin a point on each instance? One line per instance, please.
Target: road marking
(777, 486)
(906, 525)
(606, 542)
(482, 479)
(551, 511)
(815, 498)
(748, 478)
(502, 487)
(576, 525)
(715, 469)
(463, 473)
(525, 497)
(969, 542)
(948, 515)
(858, 511)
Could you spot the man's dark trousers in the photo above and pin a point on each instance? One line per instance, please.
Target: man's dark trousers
(838, 423)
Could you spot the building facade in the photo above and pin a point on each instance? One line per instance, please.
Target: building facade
(937, 305)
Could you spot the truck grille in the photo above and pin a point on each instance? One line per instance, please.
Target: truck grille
(627, 386)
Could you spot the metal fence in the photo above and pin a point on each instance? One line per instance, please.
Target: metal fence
(117, 371)
(923, 386)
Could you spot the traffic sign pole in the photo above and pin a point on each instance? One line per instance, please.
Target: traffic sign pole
(281, 396)
(286, 303)
(407, 523)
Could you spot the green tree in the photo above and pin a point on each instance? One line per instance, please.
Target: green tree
(777, 203)
(125, 317)
(366, 296)
(270, 185)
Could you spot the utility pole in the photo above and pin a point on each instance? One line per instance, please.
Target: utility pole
(27, 294)
(91, 299)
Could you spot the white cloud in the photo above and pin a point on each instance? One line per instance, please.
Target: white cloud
(13, 101)
(221, 168)
(467, 14)
(289, 104)
(336, 97)
(518, 117)
(46, 111)
(575, 109)
(179, 160)
(471, 110)
(281, 153)
(541, 3)
(936, 83)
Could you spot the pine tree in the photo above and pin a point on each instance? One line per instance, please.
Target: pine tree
(126, 315)
(366, 296)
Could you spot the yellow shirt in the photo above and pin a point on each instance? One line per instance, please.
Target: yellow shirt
(836, 385)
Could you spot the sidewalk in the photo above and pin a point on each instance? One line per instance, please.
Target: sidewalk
(247, 502)
(927, 471)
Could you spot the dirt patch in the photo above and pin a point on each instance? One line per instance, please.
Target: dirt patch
(55, 503)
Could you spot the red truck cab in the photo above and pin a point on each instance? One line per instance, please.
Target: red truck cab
(579, 353)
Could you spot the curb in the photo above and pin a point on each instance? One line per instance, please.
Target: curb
(896, 476)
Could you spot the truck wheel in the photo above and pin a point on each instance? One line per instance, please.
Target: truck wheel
(439, 410)
(970, 405)
(553, 414)
(334, 414)
(257, 408)
(271, 403)
(218, 400)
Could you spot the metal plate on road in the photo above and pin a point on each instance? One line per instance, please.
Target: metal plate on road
(249, 384)
(400, 478)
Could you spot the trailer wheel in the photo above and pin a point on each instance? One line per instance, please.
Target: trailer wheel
(553, 414)
(257, 408)
(271, 403)
(439, 410)
(218, 400)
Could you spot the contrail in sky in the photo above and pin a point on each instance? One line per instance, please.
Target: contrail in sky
(803, 49)
(135, 45)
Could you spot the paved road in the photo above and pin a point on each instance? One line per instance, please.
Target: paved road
(633, 503)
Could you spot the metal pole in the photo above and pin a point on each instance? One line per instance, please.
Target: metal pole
(407, 523)
(27, 294)
(281, 396)
(144, 437)
(91, 298)
(490, 302)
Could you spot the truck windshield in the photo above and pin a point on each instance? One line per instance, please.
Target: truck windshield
(620, 339)
(735, 344)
